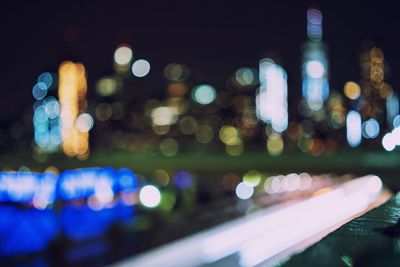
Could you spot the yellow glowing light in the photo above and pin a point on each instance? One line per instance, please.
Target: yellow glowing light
(275, 145)
(229, 135)
(252, 178)
(72, 92)
(235, 149)
(123, 55)
(352, 90)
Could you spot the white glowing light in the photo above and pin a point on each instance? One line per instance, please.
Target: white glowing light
(164, 116)
(103, 191)
(271, 101)
(268, 232)
(84, 122)
(123, 55)
(244, 190)
(315, 69)
(396, 136)
(150, 196)
(140, 68)
(388, 142)
(353, 128)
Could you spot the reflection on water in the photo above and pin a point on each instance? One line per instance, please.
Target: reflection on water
(101, 215)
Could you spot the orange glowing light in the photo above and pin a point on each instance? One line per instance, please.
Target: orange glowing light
(72, 92)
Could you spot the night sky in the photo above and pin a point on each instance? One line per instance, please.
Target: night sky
(216, 38)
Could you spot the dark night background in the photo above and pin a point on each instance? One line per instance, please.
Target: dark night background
(217, 38)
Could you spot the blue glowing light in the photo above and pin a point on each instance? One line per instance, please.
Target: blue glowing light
(370, 128)
(353, 128)
(183, 180)
(314, 24)
(315, 86)
(86, 183)
(39, 91)
(52, 108)
(392, 108)
(27, 187)
(204, 94)
(127, 180)
(46, 121)
(39, 116)
(46, 78)
(396, 121)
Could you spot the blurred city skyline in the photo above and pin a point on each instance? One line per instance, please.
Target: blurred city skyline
(215, 39)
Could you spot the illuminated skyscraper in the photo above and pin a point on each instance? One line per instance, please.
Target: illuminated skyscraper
(315, 87)
(271, 100)
(46, 115)
(75, 124)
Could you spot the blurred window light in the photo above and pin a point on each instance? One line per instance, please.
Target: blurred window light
(183, 179)
(370, 128)
(140, 68)
(229, 135)
(314, 24)
(84, 122)
(396, 121)
(46, 78)
(72, 94)
(392, 108)
(396, 135)
(275, 144)
(315, 85)
(123, 55)
(175, 72)
(127, 180)
(107, 86)
(204, 94)
(150, 196)
(271, 100)
(28, 187)
(352, 90)
(82, 183)
(52, 108)
(39, 91)
(353, 128)
(389, 142)
(244, 191)
(245, 76)
(163, 116)
(315, 69)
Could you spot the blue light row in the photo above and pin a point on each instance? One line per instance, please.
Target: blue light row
(42, 189)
